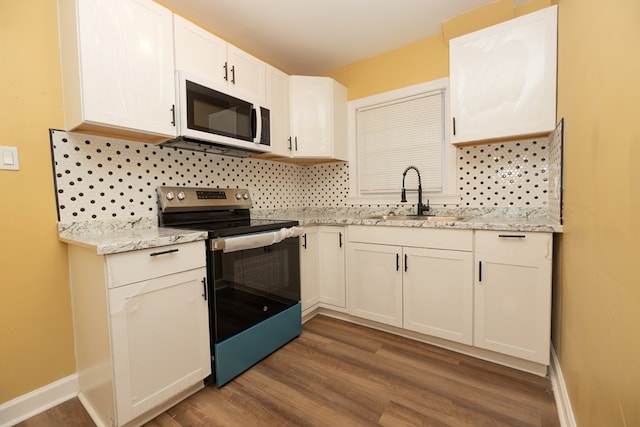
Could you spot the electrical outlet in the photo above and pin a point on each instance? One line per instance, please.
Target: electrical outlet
(9, 158)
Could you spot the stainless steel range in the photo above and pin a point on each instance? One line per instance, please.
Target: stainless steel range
(253, 274)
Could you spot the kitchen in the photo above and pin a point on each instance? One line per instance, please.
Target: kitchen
(594, 256)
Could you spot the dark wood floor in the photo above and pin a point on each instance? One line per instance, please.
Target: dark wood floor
(340, 374)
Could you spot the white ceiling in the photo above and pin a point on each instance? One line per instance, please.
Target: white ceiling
(310, 37)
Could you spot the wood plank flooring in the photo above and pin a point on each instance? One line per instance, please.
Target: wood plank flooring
(340, 374)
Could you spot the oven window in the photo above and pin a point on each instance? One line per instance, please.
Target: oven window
(252, 285)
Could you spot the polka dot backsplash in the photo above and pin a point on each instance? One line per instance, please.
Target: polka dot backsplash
(324, 192)
(555, 172)
(105, 178)
(510, 174)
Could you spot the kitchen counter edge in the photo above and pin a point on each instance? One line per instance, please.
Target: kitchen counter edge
(117, 241)
(480, 223)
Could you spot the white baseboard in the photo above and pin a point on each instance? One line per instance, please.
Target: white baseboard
(37, 401)
(565, 412)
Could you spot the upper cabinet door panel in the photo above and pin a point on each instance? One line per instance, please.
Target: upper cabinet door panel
(126, 64)
(503, 79)
(318, 117)
(246, 72)
(198, 51)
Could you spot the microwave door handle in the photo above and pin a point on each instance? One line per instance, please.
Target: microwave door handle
(255, 120)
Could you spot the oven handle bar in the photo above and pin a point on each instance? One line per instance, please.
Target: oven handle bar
(254, 240)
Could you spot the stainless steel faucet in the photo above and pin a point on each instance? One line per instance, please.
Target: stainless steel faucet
(422, 209)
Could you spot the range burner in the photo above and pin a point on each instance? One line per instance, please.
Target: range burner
(221, 212)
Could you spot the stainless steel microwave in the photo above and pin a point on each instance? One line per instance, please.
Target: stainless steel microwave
(212, 117)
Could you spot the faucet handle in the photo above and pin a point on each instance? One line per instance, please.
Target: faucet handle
(424, 208)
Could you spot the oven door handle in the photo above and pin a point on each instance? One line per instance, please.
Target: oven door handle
(255, 240)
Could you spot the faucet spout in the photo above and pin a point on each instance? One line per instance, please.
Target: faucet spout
(403, 197)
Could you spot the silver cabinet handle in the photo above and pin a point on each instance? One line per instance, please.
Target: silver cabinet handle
(512, 236)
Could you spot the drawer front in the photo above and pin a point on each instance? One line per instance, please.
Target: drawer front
(130, 267)
(435, 238)
(524, 244)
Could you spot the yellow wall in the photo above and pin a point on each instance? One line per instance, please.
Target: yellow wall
(36, 335)
(597, 312)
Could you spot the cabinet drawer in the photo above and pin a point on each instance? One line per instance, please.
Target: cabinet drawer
(131, 267)
(436, 238)
(528, 244)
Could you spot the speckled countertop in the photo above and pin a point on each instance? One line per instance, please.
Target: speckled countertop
(534, 220)
(108, 237)
(465, 223)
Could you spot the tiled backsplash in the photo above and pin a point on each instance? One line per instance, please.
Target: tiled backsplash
(105, 178)
(504, 174)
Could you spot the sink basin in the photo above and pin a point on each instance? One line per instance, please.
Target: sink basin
(416, 218)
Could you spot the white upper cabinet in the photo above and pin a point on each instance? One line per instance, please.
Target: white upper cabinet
(246, 72)
(117, 68)
(277, 85)
(318, 118)
(503, 79)
(200, 52)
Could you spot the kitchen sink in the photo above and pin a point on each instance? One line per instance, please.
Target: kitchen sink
(416, 218)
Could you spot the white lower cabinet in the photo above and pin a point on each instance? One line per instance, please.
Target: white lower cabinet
(141, 329)
(425, 289)
(375, 282)
(437, 295)
(309, 267)
(513, 293)
(331, 272)
(322, 268)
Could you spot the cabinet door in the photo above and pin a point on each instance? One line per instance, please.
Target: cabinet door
(309, 285)
(503, 79)
(198, 51)
(160, 339)
(278, 103)
(126, 65)
(438, 293)
(332, 266)
(246, 72)
(375, 282)
(311, 116)
(513, 304)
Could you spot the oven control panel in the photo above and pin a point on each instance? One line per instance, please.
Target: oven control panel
(198, 198)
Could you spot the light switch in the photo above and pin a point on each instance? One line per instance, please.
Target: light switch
(9, 158)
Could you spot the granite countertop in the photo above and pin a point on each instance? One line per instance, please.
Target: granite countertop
(464, 223)
(470, 219)
(109, 237)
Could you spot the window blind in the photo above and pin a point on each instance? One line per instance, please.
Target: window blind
(396, 134)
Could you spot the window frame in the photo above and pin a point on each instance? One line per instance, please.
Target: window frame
(447, 195)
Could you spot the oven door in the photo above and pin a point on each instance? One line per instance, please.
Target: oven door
(250, 285)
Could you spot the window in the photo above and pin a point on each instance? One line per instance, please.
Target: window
(393, 130)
